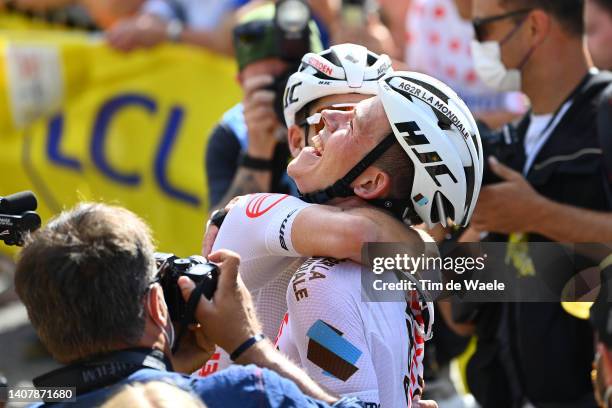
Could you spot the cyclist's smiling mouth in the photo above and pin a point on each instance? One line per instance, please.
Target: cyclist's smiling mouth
(319, 146)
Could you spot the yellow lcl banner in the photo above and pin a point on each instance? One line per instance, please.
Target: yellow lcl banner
(80, 121)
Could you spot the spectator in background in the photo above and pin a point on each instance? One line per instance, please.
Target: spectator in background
(247, 151)
(598, 25)
(438, 43)
(534, 351)
(203, 23)
(361, 24)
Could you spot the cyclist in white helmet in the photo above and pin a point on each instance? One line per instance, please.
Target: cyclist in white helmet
(357, 154)
(306, 94)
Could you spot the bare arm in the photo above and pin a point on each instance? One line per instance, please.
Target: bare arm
(218, 40)
(321, 230)
(148, 30)
(265, 355)
(332, 231)
(531, 212)
(594, 226)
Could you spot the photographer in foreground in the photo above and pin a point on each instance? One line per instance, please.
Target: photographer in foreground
(89, 283)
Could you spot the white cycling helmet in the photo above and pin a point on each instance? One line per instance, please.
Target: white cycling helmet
(439, 134)
(341, 69)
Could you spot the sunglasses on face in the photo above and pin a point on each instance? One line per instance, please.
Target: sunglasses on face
(480, 24)
(316, 119)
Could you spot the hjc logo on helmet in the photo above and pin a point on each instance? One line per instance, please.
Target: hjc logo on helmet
(409, 133)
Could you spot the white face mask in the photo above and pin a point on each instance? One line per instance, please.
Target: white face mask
(490, 68)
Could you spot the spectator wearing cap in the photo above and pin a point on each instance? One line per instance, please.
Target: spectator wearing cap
(247, 151)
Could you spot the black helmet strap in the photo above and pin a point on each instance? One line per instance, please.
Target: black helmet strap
(342, 187)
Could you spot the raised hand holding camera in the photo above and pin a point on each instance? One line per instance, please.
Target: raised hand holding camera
(228, 319)
(260, 117)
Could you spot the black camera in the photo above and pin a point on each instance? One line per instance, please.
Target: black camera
(170, 268)
(502, 144)
(287, 36)
(17, 217)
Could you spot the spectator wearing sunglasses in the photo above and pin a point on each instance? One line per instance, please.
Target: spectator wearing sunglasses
(552, 189)
(438, 43)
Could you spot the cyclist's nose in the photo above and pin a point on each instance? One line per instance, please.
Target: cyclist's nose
(335, 119)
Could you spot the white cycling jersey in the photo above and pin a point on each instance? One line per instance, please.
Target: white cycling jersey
(371, 350)
(378, 353)
(258, 228)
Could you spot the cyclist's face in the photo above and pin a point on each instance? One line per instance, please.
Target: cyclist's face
(346, 138)
(326, 102)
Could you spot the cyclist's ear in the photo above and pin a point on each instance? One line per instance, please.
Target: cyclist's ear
(372, 183)
(296, 139)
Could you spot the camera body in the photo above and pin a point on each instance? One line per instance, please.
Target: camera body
(170, 268)
(18, 217)
(287, 36)
(503, 144)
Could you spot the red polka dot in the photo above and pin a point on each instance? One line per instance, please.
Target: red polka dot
(455, 45)
(451, 71)
(410, 37)
(439, 12)
(434, 38)
(419, 8)
(471, 76)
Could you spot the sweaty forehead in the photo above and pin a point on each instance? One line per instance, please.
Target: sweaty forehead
(371, 119)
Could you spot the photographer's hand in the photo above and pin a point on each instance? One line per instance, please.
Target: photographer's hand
(509, 206)
(195, 350)
(143, 31)
(229, 318)
(259, 116)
